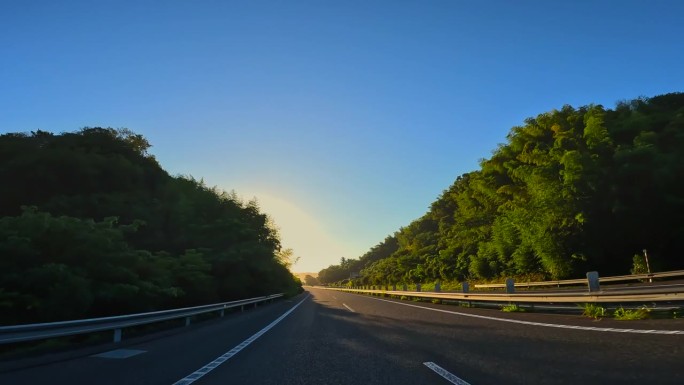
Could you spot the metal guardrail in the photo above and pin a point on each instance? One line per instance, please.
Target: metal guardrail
(583, 281)
(631, 295)
(589, 297)
(33, 332)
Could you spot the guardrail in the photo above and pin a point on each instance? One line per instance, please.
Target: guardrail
(582, 281)
(665, 295)
(643, 295)
(33, 332)
(661, 303)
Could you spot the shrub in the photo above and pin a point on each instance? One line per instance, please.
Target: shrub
(639, 264)
(623, 314)
(512, 308)
(593, 311)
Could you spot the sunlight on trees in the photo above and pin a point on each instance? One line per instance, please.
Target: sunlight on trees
(572, 190)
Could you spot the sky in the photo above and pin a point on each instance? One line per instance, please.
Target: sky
(344, 119)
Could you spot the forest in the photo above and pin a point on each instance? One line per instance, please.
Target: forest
(571, 190)
(91, 225)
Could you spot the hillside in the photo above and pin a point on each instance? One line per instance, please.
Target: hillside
(91, 225)
(571, 190)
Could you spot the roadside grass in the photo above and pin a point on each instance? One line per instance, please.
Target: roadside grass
(593, 311)
(436, 301)
(623, 314)
(512, 308)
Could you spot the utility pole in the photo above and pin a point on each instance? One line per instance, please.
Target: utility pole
(648, 267)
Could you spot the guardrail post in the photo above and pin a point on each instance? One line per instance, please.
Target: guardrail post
(593, 281)
(438, 287)
(405, 287)
(242, 308)
(465, 287)
(117, 335)
(417, 287)
(222, 312)
(187, 321)
(394, 287)
(510, 286)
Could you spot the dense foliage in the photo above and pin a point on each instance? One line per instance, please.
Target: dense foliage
(572, 190)
(91, 225)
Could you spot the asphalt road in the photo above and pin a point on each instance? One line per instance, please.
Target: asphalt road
(339, 338)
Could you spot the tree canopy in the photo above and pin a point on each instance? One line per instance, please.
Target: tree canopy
(571, 190)
(91, 225)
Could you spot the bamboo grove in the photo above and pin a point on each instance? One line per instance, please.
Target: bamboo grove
(571, 190)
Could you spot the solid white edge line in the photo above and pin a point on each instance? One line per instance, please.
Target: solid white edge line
(445, 373)
(348, 308)
(197, 374)
(559, 326)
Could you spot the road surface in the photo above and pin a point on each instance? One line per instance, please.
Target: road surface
(330, 337)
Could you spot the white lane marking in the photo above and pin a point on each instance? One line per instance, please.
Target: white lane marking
(444, 373)
(348, 308)
(559, 326)
(119, 353)
(226, 356)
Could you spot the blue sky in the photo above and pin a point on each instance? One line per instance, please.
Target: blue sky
(345, 119)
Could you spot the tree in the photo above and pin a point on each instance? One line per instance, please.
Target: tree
(571, 190)
(310, 280)
(105, 230)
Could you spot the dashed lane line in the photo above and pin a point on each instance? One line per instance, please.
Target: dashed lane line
(348, 308)
(445, 373)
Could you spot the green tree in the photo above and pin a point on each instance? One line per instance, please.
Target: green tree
(571, 190)
(109, 226)
(310, 280)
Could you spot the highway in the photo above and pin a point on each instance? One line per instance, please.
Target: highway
(330, 337)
